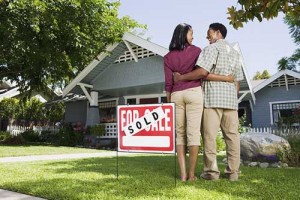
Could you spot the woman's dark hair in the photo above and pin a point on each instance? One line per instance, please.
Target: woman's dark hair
(219, 27)
(179, 37)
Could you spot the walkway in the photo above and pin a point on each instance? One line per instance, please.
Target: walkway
(62, 156)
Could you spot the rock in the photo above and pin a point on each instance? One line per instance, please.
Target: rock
(284, 165)
(224, 160)
(264, 165)
(275, 165)
(253, 164)
(261, 146)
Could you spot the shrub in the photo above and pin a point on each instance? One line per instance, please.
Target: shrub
(15, 140)
(97, 130)
(67, 136)
(291, 155)
(4, 135)
(31, 136)
(48, 137)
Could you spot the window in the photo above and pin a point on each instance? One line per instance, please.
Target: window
(131, 101)
(163, 99)
(287, 113)
(149, 100)
(107, 111)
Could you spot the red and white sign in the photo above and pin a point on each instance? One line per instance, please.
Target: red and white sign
(146, 128)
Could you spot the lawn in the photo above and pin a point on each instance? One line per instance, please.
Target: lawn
(26, 150)
(141, 177)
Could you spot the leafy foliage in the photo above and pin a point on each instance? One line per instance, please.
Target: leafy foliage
(98, 129)
(48, 42)
(264, 75)
(31, 110)
(9, 108)
(67, 136)
(261, 9)
(293, 61)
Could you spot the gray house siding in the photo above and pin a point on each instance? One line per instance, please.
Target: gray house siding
(261, 116)
(130, 74)
(76, 111)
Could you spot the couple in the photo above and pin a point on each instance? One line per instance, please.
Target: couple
(219, 68)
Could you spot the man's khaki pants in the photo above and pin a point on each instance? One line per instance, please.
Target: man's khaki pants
(227, 119)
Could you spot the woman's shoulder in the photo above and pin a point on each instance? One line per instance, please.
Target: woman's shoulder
(195, 48)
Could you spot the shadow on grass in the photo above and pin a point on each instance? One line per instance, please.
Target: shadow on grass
(146, 177)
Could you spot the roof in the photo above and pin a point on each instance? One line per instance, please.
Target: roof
(246, 89)
(282, 78)
(9, 89)
(254, 83)
(131, 48)
(104, 60)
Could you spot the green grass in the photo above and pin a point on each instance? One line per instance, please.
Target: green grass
(141, 177)
(8, 151)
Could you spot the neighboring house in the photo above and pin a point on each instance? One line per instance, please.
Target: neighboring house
(132, 73)
(277, 98)
(9, 89)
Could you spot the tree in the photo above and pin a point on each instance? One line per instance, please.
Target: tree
(293, 61)
(264, 75)
(48, 42)
(259, 9)
(9, 108)
(286, 63)
(257, 76)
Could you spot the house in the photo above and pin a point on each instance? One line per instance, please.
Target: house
(9, 89)
(130, 72)
(277, 100)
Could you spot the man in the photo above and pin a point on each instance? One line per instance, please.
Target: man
(220, 102)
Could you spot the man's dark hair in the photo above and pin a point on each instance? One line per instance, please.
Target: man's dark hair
(219, 27)
(179, 37)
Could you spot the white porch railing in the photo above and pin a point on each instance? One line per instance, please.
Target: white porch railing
(111, 130)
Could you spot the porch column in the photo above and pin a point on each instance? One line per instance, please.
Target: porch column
(93, 116)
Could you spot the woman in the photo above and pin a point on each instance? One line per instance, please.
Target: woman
(187, 96)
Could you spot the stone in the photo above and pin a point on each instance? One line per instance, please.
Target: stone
(275, 165)
(261, 146)
(253, 164)
(224, 160)
(264, 165)
(284, 165)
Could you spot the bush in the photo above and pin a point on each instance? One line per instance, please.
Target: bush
(97, 130)
(15, 140)
(291, 155)
(4, 135)
(48, 137)
(67, 136)
(31, 136)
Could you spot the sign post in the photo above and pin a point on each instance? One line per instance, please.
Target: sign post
(148, 128)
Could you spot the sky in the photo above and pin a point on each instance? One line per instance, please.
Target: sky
(262, 43)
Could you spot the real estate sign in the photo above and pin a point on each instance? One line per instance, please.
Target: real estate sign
(146, 128)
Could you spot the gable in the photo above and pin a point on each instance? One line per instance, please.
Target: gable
(284, 78)
(130, 48)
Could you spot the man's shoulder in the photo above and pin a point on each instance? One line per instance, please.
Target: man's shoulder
(211, 48)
